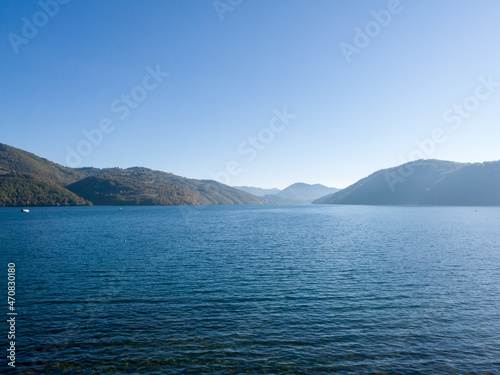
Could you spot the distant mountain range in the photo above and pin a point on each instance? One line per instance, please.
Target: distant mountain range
(425, 182)
(298, 193)
(28, 180)
(257, 191)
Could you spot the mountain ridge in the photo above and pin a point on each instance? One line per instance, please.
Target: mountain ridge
(425, 182)
(300, 193)
(22, 174)
(26, 179)
(257, 191)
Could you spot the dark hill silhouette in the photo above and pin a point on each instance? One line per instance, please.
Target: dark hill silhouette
(425, 182)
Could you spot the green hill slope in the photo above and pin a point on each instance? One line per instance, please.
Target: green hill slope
(425, 182)
(27, 190)
(14, 159)
(26, 179)
(141, 186)
(218, 193)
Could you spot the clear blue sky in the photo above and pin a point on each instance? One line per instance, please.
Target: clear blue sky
(227, 77)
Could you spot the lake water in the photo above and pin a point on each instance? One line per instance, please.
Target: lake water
(254, 289)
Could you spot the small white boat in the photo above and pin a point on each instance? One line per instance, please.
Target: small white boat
(25, 210)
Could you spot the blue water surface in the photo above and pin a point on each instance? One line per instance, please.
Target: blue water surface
(254, 289)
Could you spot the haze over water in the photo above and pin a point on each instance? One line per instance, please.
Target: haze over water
(256, 289)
